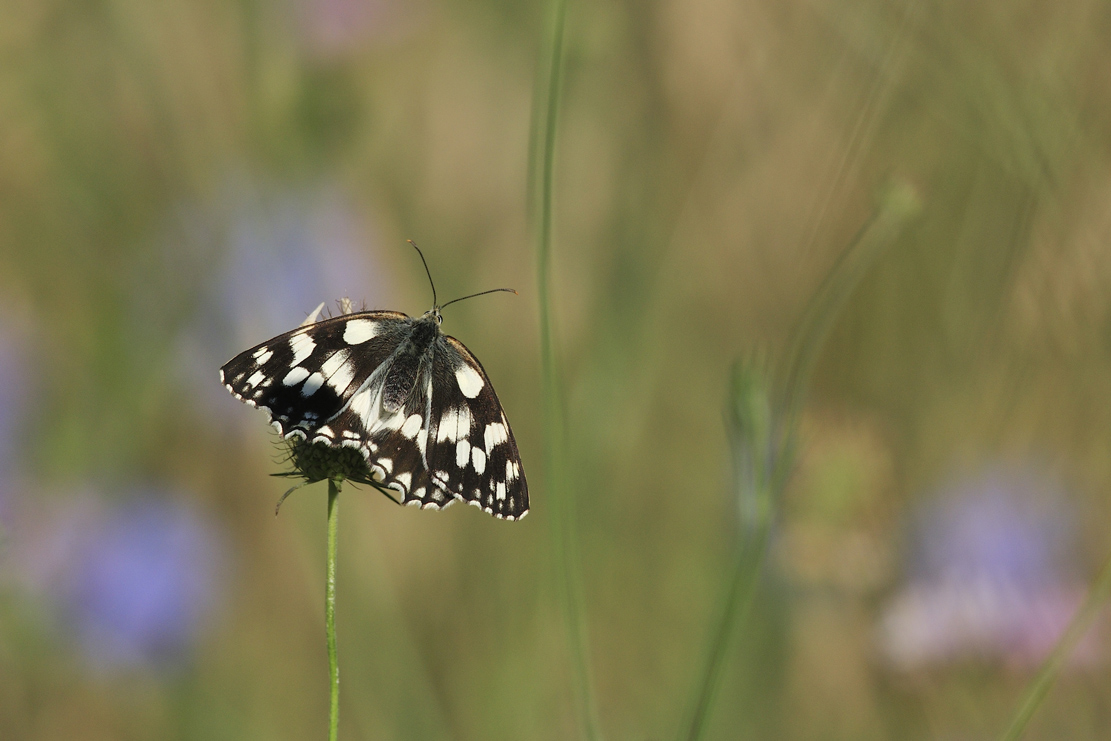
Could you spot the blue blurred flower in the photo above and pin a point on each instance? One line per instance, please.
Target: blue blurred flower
(990, 576)
(132, 581)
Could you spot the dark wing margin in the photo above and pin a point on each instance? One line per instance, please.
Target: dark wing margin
(304, 377)
(471, 453)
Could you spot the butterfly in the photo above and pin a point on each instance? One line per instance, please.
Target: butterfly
(415, 402)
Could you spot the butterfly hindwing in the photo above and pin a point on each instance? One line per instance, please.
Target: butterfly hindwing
(304, 377)
(394, 444)
(472, 454)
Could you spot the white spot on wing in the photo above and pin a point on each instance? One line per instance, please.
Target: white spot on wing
(359, 331)
(411, 426)
(338, 371)
(404, 478)
(342, 379)
(501, 490)
(362, 405)
(469, 380)
(422, 441)
(295, 377)
(495, 434)
(392, 422)
(302, 346)
(255, 378)
(462, 453)
(262, 355)
(314, 382)
(386, 463)
(454, 425)
(478, 458)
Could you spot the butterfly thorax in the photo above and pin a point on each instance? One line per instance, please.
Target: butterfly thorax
(412, 355)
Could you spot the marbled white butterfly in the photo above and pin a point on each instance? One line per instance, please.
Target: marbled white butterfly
(415, 402)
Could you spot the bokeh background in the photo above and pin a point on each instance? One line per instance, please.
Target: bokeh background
(181, 180)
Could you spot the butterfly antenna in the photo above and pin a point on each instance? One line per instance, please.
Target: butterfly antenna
(426, 270)
(481, 293)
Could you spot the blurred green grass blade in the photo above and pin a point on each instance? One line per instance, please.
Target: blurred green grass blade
(766, 426)
(760, 449)
(1039, 686)
(898, 205)
(732, 614)
(562, 520)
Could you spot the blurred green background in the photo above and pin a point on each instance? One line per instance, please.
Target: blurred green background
(182, 180)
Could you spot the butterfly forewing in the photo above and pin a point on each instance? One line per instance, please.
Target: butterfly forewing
(306, 376)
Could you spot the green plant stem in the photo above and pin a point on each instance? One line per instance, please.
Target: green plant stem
(738, 599)
(330, 611)
(1043, 680)
(562, 521)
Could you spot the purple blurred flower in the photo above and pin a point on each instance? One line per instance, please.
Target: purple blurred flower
(331, 29)
(279, 254)
(15, 385)
(285, 253)
(991, 576)
(132, 581)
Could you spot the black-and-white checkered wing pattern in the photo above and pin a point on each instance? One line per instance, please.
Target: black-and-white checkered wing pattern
(304, 377)
(415, 402)
(471, 451)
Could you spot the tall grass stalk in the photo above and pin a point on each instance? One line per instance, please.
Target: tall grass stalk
(562, 520)
(330, 611)
(763, 434)
(738, 598)
(1039, 686)
(898, 204)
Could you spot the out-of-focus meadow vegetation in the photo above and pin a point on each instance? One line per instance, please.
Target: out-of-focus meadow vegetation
(181, 180)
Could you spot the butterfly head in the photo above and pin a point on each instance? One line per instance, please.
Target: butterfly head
(433, 314)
